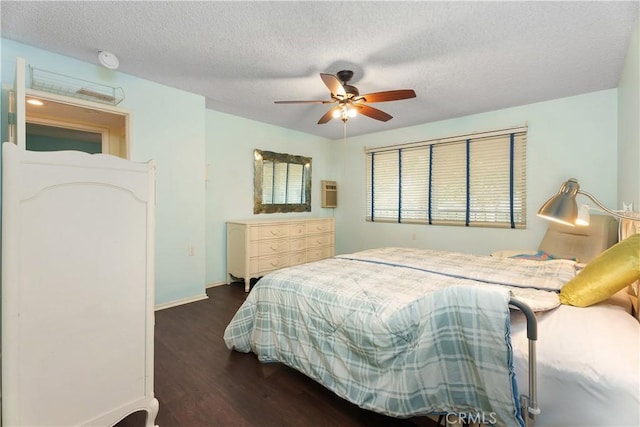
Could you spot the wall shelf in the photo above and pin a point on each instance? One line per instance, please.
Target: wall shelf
(48, 81)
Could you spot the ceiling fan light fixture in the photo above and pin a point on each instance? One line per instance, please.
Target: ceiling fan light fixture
(344, 112)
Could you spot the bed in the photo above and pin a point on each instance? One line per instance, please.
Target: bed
(409, 332)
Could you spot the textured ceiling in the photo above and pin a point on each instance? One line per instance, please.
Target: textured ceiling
(460, 58)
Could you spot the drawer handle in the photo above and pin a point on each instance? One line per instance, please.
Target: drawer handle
(275, 233)
(274, 263)
(274, 248)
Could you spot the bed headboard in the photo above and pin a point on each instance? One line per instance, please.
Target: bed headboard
(581, 242)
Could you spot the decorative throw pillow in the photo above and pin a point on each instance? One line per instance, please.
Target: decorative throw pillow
(539, 256)
(609, 272)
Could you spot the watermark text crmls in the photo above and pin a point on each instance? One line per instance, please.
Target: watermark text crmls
(462, 418)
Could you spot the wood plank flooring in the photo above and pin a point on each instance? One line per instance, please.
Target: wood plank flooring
(199, 382)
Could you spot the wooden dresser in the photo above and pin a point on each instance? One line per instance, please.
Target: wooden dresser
(256, 247)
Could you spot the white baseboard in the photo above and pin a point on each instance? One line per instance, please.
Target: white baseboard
(214, 284)
(188, 300)
(180, 302)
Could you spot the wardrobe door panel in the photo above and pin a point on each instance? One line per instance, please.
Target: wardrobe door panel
(77, 306)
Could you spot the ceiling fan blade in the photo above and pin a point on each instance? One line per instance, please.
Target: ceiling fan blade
(304, 102)
(333, 84)
(390, 95)
(374, 113)
(328, 115)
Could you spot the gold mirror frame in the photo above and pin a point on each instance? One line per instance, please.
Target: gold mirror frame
(258, 187)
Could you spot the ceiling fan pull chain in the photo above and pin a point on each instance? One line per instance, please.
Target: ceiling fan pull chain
(344, 131)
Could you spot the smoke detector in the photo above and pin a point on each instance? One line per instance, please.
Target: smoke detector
(108, 59)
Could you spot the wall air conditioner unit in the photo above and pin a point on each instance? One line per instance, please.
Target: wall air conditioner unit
(329, 194)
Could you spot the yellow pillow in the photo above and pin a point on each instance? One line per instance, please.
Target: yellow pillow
(609, 272)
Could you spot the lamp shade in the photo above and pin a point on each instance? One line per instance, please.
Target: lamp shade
(562, 207)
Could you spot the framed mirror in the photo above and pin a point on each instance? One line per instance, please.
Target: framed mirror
(282, 182)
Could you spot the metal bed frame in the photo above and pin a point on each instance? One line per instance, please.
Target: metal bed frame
(529, 404)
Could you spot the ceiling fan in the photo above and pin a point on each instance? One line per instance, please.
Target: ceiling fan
(350, 102)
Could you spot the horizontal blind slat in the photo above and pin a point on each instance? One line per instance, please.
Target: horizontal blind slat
(490, 182)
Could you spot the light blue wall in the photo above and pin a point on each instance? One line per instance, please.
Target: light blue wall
(629, 126)
(230, 144)
(169, 127)
(570, 137)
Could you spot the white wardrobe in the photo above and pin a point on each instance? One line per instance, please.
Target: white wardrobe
(77, 288)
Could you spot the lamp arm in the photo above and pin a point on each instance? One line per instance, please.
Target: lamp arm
(604, 208)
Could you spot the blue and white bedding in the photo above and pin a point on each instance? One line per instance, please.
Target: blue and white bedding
(403, 332)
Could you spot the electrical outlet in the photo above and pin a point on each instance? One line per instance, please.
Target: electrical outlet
(191, 251)
(413, 236)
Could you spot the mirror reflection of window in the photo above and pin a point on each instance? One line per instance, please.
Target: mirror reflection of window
(267, 182)
(282, 182)
(295, 184)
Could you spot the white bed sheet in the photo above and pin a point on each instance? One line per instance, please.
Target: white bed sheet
(588, 365)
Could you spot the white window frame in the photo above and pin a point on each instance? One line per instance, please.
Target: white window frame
(476, 179)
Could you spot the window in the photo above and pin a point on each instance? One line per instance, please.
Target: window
(283, 183)
(472, 180)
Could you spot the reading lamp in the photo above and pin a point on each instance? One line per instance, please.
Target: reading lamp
(562, 207)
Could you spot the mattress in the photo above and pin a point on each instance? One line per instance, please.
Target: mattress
(588, 365)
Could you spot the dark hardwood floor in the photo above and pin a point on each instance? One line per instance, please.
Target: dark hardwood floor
(199, 382)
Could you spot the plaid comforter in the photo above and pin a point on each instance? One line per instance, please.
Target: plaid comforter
(402, 340)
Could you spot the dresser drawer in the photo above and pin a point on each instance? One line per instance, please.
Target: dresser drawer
(270, 263)
(297, 229)
(319, 240)
(319, 253)
(299, 244)
(270, 231)
(320, 226)
(269, 247)
(296, 258)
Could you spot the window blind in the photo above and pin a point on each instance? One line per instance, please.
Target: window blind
(472, 180)
(283, 183)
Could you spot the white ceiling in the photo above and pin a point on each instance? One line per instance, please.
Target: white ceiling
(460, 58)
